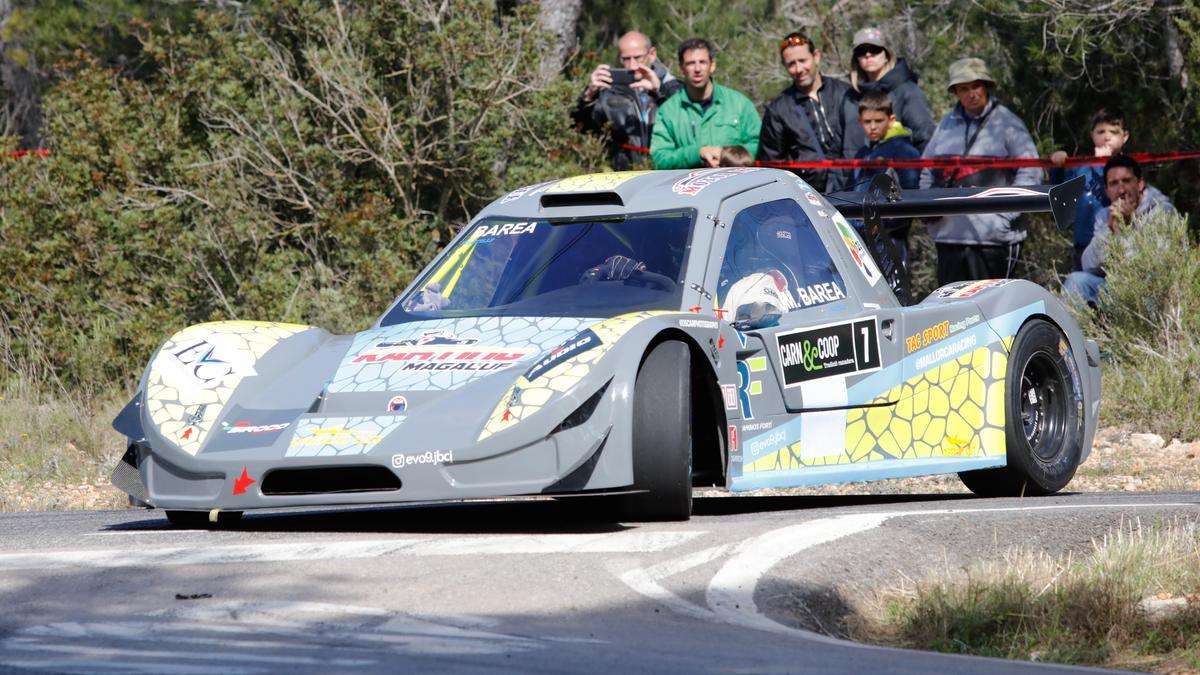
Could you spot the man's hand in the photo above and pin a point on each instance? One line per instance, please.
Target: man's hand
(614, 268)
(430, 299)
(710, 155)
(600, 80)
(1103, 151)
(1058, 158)
(645, 80)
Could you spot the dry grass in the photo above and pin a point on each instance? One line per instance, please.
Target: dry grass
(57, 453)
(1081, 609)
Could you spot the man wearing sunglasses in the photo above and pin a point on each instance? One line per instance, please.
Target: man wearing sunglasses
(625, 110)
(812, 119)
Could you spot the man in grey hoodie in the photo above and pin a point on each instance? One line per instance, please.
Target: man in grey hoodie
(978, 246)
(1133, 200)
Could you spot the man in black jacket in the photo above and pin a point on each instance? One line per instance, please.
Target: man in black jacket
(626, 110)
(810, 120)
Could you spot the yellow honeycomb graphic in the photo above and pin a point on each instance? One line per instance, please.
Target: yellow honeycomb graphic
(595, 182)
(955, 409)
(226, 351)
(561, 378)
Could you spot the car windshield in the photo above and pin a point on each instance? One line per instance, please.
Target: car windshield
(599, 268)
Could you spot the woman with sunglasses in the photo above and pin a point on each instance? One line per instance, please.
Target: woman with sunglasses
(874, 67)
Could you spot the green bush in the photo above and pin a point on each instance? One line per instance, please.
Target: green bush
(1148, 328)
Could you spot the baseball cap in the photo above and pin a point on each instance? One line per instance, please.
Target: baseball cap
(872, 36)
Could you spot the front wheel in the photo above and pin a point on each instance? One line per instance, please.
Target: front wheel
(662, 437)
(1043, 418)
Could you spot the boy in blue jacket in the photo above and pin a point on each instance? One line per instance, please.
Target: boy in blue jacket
(886, 139)
(1109, 136)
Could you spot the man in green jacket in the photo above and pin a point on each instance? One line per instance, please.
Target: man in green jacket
(696, 122)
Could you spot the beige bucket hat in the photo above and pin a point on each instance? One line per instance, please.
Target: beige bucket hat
(967, 70)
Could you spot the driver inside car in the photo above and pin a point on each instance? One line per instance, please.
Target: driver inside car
(756, 272)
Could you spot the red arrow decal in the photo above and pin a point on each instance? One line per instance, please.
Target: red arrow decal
(695, 309)
(187, 434)
(507, 415)
(720, 342)
(242, 482)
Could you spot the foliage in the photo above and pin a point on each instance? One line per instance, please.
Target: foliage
(297, 162)
(1149, 328)
(1082, 609)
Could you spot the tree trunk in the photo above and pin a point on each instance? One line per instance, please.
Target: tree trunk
(559, 18)
(20, 112)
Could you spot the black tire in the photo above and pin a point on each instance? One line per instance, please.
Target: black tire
(1043, 419)
(662, 437)
(199, 520)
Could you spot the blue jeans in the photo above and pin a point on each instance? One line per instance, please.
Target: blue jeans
(1084, 285)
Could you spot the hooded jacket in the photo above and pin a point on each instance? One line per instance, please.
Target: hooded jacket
(997, 132)
(1093, 256)
(909, 103)
(896, 144)
(629, 114)
(796, 128)
(683, 127)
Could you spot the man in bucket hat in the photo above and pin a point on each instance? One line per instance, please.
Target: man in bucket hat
(978, 246)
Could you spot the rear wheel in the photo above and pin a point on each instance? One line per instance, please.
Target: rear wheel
(201, 520)
(662, 437)
(1043, 418)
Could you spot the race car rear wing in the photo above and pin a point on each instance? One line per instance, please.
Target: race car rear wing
(884, 199)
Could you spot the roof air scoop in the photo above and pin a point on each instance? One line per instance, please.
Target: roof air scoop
(566, 199)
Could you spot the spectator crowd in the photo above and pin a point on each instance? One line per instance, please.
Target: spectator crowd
(880, 113)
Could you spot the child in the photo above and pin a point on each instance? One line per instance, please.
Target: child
(886, 139)
(1109, 136)
(735, 155)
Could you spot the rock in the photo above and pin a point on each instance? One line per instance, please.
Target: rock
(1147, 440)
(1164, 606)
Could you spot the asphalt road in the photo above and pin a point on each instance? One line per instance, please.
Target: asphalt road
(516, 586)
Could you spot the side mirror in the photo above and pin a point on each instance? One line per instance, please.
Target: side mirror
(756, 315)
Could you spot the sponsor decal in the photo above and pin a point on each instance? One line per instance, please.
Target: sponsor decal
(812, 198)
(573, 347)
(866, 264)
(757, 426)
(242, 482)
(938, 332)
(335, 436)
(783, 234)
(827, 351)
(952, 349)
(525, 191)
(747, 386)
(206, 365)
(398, 404)
(956, 447)
(697, 323)
(428, 457)
(442, 353)
(514, 399)
(431, 337)
(818, 294)
(733, 438)
(197, 417)
(500, 229)
(765, 443)
(969, 288)
(247, 428)
(696, 181)
(730, 393)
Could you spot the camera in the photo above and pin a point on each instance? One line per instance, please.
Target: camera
(621, 75)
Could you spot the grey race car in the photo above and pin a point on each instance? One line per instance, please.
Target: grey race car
(632, 335)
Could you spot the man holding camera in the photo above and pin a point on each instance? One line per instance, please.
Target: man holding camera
(626, 99)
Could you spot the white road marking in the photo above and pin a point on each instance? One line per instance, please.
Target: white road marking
(730, 593)
(207, 554)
